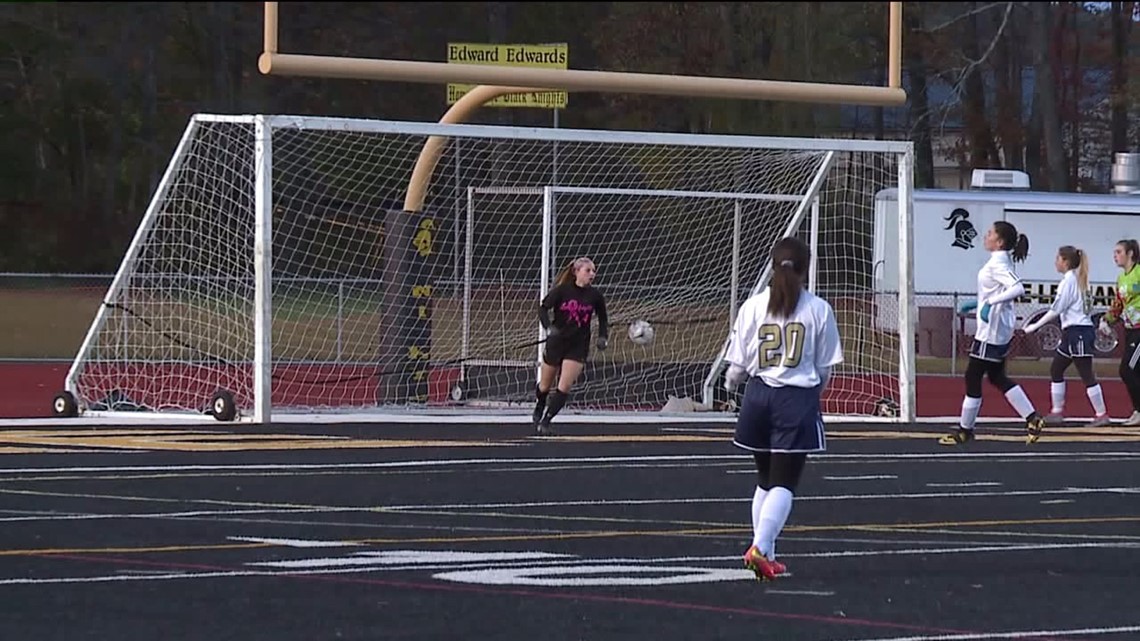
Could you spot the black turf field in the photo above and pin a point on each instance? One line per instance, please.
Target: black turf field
(306, 533)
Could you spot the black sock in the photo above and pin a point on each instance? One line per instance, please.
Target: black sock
(540, 402)
(555, 404)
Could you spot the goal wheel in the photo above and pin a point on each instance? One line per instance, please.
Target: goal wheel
(222, 406)
(457, 392)
(64, 405)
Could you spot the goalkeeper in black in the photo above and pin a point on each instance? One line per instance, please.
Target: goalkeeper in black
(565, 314)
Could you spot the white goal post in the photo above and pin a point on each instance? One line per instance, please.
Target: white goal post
(276, 270)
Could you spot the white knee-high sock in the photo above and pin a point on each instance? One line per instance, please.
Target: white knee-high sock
(1057, 395)
(1020, 402)
(757, 504)
(1096, 397)
(773, 514)
(970, 408)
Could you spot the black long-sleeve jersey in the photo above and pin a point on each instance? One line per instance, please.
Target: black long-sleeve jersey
(573, 308)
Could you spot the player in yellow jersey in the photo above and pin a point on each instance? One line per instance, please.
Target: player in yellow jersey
(1126, 311)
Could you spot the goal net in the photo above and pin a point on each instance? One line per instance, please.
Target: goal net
(301, 264)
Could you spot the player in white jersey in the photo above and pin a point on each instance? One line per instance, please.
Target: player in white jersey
(998, 288)
(784, 343)
(1072, 305)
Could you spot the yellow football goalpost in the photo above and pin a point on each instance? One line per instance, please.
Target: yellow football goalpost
(499, 81)
(717, 202)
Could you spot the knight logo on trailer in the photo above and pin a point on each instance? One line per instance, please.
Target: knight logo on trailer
(964, 232)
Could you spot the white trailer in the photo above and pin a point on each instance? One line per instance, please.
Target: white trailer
(948, 251)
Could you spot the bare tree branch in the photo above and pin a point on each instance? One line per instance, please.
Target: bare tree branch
(957, 79)
(958, 18)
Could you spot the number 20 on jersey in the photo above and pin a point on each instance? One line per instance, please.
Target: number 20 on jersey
(781, 346)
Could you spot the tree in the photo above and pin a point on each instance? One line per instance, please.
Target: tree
(1122, 16)
(1046, 93)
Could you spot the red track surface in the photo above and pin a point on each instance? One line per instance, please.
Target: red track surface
(26, 391)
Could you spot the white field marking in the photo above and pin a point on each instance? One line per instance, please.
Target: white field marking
(800, 592)
(1009, 534)
(633, 561)
(1029, 634)
(1057, 502)
(836, 554)
(967, 484)
(415, 558)
(291, 508)
(174, 515)
(868, 477)
(596, 575)
(515, 462)
(833, 497)
(294, 543)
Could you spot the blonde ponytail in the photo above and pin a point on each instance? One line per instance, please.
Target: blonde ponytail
(1083, 272)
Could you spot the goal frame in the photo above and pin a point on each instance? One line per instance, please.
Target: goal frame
(262, 255)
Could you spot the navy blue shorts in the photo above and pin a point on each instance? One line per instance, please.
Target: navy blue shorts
(989, 351)
(1077, 341)
(780, 419)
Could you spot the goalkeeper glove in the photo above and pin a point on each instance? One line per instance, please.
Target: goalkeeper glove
(967, 306)
(1104, 327)
(984, 314)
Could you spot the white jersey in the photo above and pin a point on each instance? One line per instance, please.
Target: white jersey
(1071, 304)
(785, 352)
(996, 276)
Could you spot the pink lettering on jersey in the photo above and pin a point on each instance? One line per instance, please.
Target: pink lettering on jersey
(578, 313)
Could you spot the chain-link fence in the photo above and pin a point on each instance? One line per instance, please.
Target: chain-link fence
(46, 316)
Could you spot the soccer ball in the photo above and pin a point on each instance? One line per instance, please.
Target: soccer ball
(641, 332)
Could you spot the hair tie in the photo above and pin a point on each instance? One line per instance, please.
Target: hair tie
(786, 263)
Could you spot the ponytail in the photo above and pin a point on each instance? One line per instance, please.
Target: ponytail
(1076, 259)
(1011, 241)
(790, 258)
(1021, 248)
(564, 276)
(1083, 272)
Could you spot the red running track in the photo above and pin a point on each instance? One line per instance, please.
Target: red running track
(27, 389)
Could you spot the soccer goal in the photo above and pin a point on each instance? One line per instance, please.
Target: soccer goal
(283, 266)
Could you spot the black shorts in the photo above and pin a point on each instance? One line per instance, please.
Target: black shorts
(576, 348)
(780, 419)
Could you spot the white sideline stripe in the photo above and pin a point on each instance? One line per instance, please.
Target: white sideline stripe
(869, 477)
(332, 569)
(1028, 634)
(317, 509)
(833, 497)
(843, 554)
(549, 461)
(294, 543)
(974, 484)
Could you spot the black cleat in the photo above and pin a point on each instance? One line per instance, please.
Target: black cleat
(961, 437)
(1033, 428)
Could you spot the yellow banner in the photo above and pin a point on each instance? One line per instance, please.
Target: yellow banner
(550, 56)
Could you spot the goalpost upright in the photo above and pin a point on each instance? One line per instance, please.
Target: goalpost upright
(255, 341)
